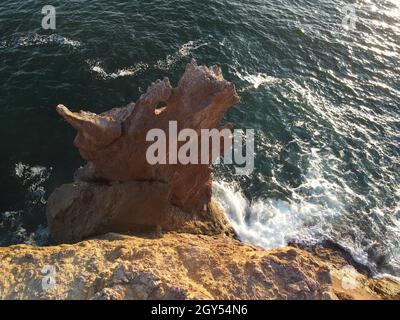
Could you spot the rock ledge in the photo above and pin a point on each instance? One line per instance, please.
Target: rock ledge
(181, 266)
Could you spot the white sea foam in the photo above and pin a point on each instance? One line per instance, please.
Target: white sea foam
(184, 51)
(316, 211)
(268, 224)
(273, 223)
(12, 228)
(37, 39)
(3, 44)
(12, 225)
(33, 177)
(257, 80)
(96, 67)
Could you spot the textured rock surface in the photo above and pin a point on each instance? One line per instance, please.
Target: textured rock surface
(180, 266)
(82, 209)
(114, 144)
(351, 280)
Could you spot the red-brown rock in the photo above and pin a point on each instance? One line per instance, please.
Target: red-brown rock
(114, 144)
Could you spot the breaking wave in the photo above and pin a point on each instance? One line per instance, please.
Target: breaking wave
(313, 214)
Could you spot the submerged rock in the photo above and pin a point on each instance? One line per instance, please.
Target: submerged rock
(118, 190)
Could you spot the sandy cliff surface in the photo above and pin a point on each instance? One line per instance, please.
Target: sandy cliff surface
(182, 266)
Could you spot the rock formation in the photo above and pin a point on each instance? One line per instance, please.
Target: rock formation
(182, 266)
(118, 190)
(183, 247)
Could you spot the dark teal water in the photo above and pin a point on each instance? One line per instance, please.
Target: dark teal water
(324, 102)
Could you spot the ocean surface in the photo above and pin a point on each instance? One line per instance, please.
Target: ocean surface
(322, 96)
